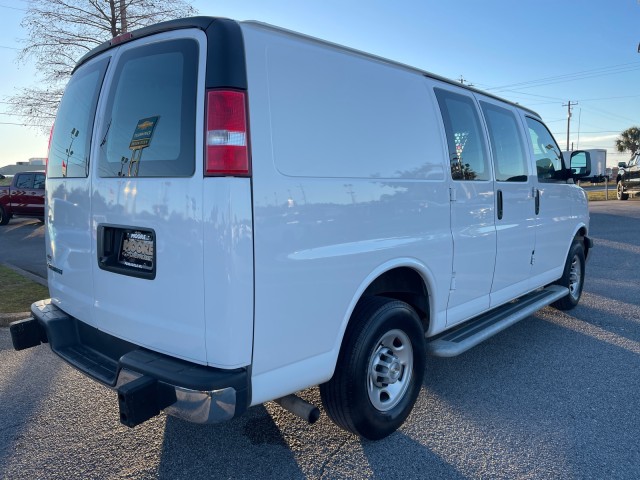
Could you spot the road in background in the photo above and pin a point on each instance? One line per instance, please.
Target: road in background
(554, 397)
(22, 245)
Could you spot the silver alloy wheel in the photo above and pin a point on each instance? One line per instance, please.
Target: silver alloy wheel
(390, 369)
(575, 277)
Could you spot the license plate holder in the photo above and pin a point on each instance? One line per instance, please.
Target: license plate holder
(127, 251)
(137, 250)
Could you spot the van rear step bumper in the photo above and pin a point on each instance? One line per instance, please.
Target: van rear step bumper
(471, 333)
(146, 381)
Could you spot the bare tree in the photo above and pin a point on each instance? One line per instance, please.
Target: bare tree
(59, 32)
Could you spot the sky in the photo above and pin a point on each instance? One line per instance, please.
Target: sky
(541, 54)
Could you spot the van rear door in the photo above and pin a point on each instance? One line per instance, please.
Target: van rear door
(146, 207)
(68, 237)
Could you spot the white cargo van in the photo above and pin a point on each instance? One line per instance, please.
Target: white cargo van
(236, 212)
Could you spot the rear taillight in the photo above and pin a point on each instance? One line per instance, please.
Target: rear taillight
(227, 149)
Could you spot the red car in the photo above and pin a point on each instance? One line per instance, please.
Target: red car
(25, 196)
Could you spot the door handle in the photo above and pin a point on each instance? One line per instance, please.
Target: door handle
(537, 201)
(499, 204)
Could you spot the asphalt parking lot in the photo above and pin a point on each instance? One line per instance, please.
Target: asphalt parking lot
(22, 245)
(556, 396)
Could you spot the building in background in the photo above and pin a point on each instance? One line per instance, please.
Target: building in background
(31, 165)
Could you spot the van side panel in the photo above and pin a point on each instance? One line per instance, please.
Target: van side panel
(348, 175)
(228, 271)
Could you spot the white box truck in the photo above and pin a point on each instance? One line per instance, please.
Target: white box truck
(598, 164)
(249, 212)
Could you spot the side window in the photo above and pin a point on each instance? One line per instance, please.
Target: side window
(151, 112)
(467, 151)
(25, 181)
(509, 158)
(71, 140)
(547, 155)
(38, 181)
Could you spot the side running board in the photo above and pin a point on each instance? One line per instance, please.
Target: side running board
(471, 333)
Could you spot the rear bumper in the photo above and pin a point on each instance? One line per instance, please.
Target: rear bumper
(146, 381)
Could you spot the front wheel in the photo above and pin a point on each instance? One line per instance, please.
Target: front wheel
(620, 193)
(379, 370)
(572, 277)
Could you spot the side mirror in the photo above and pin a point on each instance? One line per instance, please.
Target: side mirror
(580, 164)
(622, 164)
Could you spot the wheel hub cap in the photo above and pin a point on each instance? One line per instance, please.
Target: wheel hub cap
(385, 367)
(390, 369)
(575, 275)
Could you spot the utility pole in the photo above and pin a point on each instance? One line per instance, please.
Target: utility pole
(569, 104)
(465, 82)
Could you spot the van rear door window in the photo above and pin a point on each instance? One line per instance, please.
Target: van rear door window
(71, 140)
(151, 112)
(467, 151)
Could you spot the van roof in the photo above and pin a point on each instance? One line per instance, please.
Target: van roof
(203, 23)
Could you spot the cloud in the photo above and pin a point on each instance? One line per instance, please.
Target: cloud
(601, 139)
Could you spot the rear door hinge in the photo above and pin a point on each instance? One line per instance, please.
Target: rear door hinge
(452, 194)
(533, 257)
(453, 281)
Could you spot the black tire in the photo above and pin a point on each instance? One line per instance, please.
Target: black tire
(385, 341)
(620, 194)
(572, 277)
(4, 218)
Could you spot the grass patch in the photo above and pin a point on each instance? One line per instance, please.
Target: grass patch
(598, 196)
(18, 293)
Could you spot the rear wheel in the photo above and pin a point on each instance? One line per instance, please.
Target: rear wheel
(572, 277)
(4, 218)
(379, 370)
(620, 193)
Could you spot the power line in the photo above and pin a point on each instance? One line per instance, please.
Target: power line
(584, 100)
(43, 117)
(608, 98)
(592, 108)
(595, 72)
(13, 8)
(601, 131)
(615, 116)
(21, 124)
